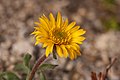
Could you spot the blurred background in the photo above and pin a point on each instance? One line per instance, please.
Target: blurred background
(100, 18)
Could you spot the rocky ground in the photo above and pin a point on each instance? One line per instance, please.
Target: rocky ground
(100, 19)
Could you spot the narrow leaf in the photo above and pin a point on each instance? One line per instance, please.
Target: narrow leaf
(10, 76)
(21, 68)
(47, 67)
(26, 61)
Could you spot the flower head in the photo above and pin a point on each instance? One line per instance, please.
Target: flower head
(58, 34)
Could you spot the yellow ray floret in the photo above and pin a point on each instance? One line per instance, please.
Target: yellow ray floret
(58, 34)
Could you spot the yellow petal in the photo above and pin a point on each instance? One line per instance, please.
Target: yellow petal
(37, 28)
(43, 24)
(74, 29)
(71, 54)
(74, 47)
(78, 39)
(81, 38)
(70, 26)
(42, 40)
(65, 53)
(78, 52)
(78, 33)
(37, 23)
(75, 50)
(46, 19)
(38, 37)
(47, 42)
(41, 31)
(59, 51)
(65, 23)
(59, 19)
(49, 49)
(52, 19)
(75, 54)
(37, 42)
(70, 51)
(36, 32)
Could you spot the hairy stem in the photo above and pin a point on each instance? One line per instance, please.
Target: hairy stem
(35, 67)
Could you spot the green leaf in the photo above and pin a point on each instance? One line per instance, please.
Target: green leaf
(47, 67)
(26, 61)
(42, 76)
(10, 76)
(21, 68)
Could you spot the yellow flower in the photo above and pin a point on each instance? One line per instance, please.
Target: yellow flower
(58, 34)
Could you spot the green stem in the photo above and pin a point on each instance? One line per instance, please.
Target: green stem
(35, 67)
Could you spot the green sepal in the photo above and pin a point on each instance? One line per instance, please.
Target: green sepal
(54, 56)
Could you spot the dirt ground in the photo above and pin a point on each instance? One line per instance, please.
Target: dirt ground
(100, 18)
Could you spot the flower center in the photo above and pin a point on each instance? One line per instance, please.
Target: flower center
(59, 37)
